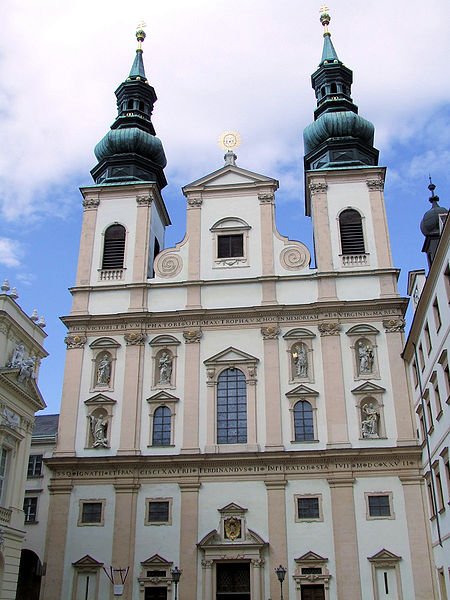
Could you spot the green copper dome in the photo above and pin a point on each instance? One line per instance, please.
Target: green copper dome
(131, 140)
(337, 125)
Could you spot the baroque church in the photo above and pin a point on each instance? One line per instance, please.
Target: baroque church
(235, 422)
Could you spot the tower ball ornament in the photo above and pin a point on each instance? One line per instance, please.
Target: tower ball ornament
(229, 140)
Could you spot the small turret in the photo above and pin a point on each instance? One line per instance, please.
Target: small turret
(431, 225)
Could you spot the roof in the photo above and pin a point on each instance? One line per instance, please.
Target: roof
(45, 426)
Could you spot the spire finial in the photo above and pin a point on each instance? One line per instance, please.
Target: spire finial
(432, 187)
(325, 18)
(140, 34)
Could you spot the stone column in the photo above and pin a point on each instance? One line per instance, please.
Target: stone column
(124, 538)
(257, 563)
(191, 391)
(276, 510)
(130, 428)
(87, 240)
(193, 232)
(55, 545)
(419, 538)
(334, 385)
(272, 391)
(139, 295)
(70, 395)
(208, 591)
(406, 428)
(345, 538)
(269, 290)
(189, 538)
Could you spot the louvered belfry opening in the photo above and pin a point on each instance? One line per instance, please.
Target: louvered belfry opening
(114, 248)
(352, 237)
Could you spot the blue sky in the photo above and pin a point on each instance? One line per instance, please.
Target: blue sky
(240, 65)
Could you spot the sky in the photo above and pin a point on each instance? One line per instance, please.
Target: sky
(216, 65)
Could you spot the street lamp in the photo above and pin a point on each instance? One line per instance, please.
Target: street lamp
(176, 574)
(281, 573)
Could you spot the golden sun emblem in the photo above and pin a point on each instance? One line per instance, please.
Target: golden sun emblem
(229, 140)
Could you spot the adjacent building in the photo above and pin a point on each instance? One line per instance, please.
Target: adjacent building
(21, 351)
(230, 407)
(426, 352)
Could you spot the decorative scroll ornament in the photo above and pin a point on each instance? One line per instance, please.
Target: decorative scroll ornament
(192, 336)
(375, 184)
(396, 325)
(90, 203)
(266, 198)
(168, 265)
(194, 202)
(135, 338)
(271, 332)
(294, 258)
(318, 188)
(329, 329)
(144, 200)
(75, 341)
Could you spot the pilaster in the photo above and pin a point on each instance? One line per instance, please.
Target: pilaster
(272, 391)
(189, 537)
(276, 510)
(266, 202)
(193, 228)
(191, 392)
(138, 296)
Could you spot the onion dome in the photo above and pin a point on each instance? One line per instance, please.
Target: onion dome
(338, 137)
(432, 223)
(130, 151)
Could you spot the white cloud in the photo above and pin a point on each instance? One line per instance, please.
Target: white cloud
(10, 252)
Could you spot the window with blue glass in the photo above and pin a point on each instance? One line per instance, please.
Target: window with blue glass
(162, 425)
(303, 421)
(231, 407)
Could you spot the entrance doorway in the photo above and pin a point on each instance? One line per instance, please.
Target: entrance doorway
(29, 580)
(155, 593)
(313, 592)
(233, 581)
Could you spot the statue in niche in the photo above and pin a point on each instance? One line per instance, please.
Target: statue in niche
(104, 370)
(300, 357)
(165, 368)
(365, 358)
(26, 369)
(99, 427)
(369, 420)
(18, 356)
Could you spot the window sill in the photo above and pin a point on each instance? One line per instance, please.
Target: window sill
(305, 442)
(35, 476)
(31, 522)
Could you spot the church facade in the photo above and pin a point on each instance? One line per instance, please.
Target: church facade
(229, 409)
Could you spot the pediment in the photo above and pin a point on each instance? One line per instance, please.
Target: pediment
(232, 508)
(231, 356)
(368, 388)
(164, 340)
(311, 557)
(385, 555)
(301, 390)
(100, 399)
(27, 389)
(229, 175)
(299, 333)
(156, 560)
(362, 330)
(162, 397)
(104, 343)
(87, 561)
(213, 539)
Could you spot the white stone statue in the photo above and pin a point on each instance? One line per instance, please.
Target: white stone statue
(165, 367)
(365, 356)
(98, 430)
(104, 370)
(369, 420)
(26, 369)
(300, 357)
(17, 356)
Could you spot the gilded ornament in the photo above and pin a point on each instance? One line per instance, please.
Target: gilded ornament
(75, 341)
(232, 528)
(329, 329)
(396, 325)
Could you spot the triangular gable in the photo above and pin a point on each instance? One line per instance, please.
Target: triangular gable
(230, 175)
(301, 390)
(156, 560)
(27, 390)
(87, 561)
(232, 508)
(100, 399)
(231, 356)
(368, 388)
(310, 557)
(162, 397)
(384, 555)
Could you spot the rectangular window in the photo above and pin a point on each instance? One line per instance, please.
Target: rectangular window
(30, 509)
(429, 415)
(415, 376)
(430, 495)
(437, 314)
(447, 282)
(34, 466)
(421, 358)
(422, 424)
(91, 512)
(4, 464)
(308, 508)
(437, 395)
(230, 246)
(443, 361)
(379, 506)
(158, 511)
(426, 331)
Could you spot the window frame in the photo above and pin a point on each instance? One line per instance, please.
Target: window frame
(84, 501)
(148, 502)
(32, 464)
(233, 399)
(298, 498)
(389, 496)
(230, 226)
(27, 520)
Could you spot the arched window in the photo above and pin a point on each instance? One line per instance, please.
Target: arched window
(333, 88)
(303, 421)
(322, 91)
(130, 104)
(161, 426)
(114, 247)
(141, 106)
(352, 236)
(231, 407)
